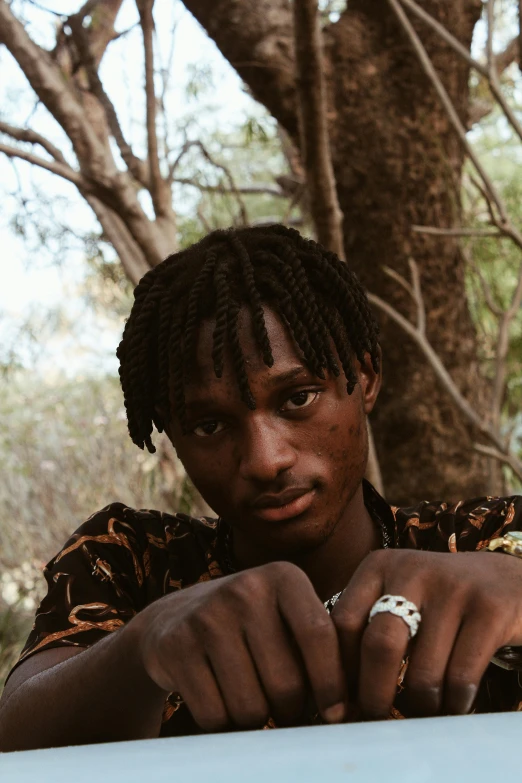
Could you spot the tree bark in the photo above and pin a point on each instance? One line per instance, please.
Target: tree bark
(397, 163)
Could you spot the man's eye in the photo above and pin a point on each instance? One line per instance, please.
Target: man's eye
(207, 428)
(301, 399)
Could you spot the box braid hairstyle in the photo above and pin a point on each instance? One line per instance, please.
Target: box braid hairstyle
(317, 296)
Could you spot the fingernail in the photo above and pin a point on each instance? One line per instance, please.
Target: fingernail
(334, 714)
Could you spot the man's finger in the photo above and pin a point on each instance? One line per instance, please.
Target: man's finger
(316, 638)
(476, 643)
(201, 694)
(350, 617)
(429, 656)
(280, 668)
(383, 648)
(238, 682)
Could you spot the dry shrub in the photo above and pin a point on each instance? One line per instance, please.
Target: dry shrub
(64, 453)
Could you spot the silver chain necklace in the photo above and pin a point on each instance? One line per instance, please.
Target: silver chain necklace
(330, 603)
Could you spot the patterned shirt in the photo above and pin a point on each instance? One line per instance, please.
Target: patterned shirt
(121, 559)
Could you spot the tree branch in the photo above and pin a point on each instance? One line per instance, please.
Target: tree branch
(501, 456)
(55, 167)
(315, 143)
(116, 232)
(233, 189)
(519, 37)
(46, 80)
(447, 381)
(490, 72)
(446, 102)
(486, 290)
(32, 137)
(160, 192)
(457, 232)
(249, 190)
(316, 154)
(135, 165)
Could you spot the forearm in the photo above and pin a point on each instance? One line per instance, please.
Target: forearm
(100, 695)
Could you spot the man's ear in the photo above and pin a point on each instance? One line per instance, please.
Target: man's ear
(370, 381)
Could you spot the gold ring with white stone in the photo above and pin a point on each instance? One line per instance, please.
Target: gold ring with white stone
(401, 607)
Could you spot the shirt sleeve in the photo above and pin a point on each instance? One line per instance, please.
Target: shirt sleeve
(94, 583)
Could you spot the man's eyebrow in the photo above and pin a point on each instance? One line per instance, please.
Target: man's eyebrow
(272, 381)
(288, 375)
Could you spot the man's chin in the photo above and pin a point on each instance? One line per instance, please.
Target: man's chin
(290, 538)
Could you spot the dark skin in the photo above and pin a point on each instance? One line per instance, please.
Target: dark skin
(305, 432)
(259, 643)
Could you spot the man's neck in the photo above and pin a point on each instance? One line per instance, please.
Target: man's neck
(331, 565)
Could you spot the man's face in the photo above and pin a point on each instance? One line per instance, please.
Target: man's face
(306, 434)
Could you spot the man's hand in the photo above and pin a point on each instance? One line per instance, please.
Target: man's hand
(245, 648)
(470, 604)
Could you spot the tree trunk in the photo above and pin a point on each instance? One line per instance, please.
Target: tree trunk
(397, 163)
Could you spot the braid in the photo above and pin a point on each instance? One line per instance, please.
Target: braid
(318, 297)
(237, 356)
(258, 318)
(193, 302)
(311, 349)
(222, 305)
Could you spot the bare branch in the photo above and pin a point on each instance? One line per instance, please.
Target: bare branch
(400, 280)
(490, 11)
(247, 190)
(486, 290)
(159, 190)
(496, 64)
(55, 167)
(447, 381)
(47, 10)
(445, 35)
(165, 73)
(116, 232)
(315, 143)
(520, 34)
(233, 189)
(135, 165)
(47, 81)
(507, 56)
(421, 310)
(448, 105)
(32, 137)
(505, 227)
(501, 456)
(457, 232)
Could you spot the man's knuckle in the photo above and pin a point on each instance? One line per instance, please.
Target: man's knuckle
(285, 691)
(488, 606)
(346, 620)
(458, 680)
(381, 644)
(317, 628)
(204, 625)
(250, 582)
(282, 570)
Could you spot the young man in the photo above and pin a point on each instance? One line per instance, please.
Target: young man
(256, 351)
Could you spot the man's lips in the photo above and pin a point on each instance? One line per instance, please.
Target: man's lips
(295, 506)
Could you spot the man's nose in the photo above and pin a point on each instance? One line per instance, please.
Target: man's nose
(265, 451)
